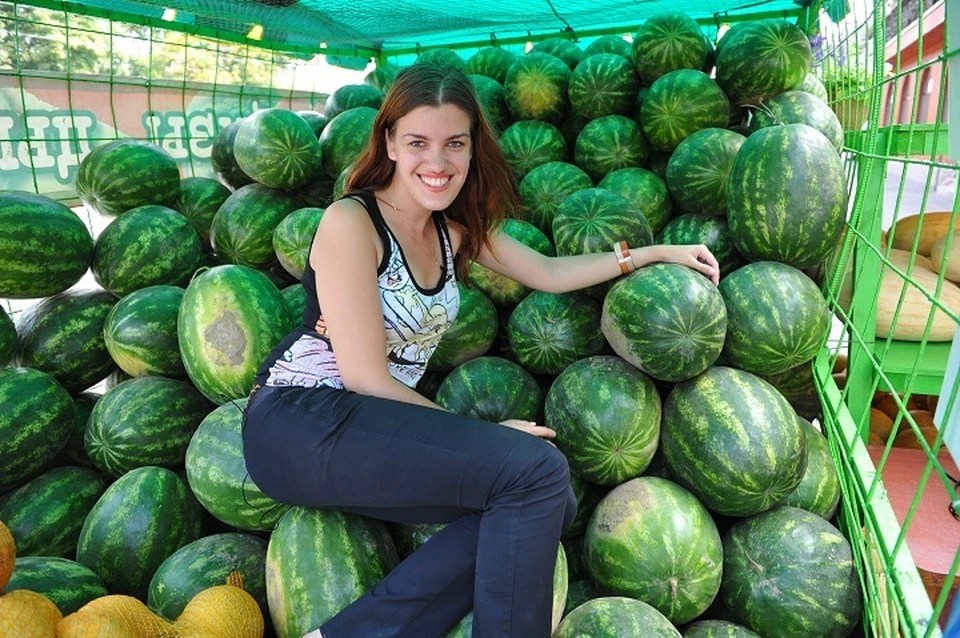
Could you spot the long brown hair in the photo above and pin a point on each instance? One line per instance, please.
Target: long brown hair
(489, 191)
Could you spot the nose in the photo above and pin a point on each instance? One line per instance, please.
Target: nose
(437, 158)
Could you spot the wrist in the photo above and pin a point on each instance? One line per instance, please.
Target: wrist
(646, 255)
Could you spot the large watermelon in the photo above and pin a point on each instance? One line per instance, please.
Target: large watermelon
(217, 473)
(536, 88)
(502, 290)
(666, 319)
(493, 101)
(146, 515)
(762, 60)
(530, 143)
(382, 77)
(242, 230)
(588, 496)
(442, 57)
(204, 563)
(46, 514)
(615, 617)
(606, 414)
(145, 421)
(140, 332)
(224, 163)
(350, 96)
(603, 84)
(608, 143)
(44, 247)
(63, 336)
(787, 196)
(730, 438)
(679, 104)
(812, 85)
(561, 48)
(699, 169)
(344, 138)
(492, 389)
(8, 338)
(277, 148)
(125, 174)
(492, 62)
(710, 231)
(320, 561)
(717, 629)
(231, 317)
(68, 584)
(591, 220)
(609, 44)
(777, 317)
(544, 188)
(819, 490)
(550, 331)
(200, 199)
(667, 42)
(293, 237)
(799, 107)
(817, 590)
(471, 334)
(652, 540)
(646, 191)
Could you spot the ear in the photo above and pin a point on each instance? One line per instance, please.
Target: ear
(391, 147)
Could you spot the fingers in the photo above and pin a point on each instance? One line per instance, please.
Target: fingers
(530, 427)
(706, 263)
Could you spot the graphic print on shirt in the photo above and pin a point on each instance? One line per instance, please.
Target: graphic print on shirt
(309, 362)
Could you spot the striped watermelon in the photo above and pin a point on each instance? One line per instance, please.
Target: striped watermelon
(277, 148)
(657, 164)
(544, 188)
(224, 163)
(442, 57)
(350, 96)
(382, 77)
(293, 237)
(318, 193)
(666, 319)
(797, 386)
(571, 127)
(531, 143)
(796, 218)
(8, 338)
(579, 592)
(591, 220)
(409, 537)
(242, 230)
(652, 540)
(588, 496)
(315, 119)
(699, 169)
(147, 246)
(492, 62)
(345, 137)
(812, 85)
(63, 336)
(83, 404)
(603, 84)
(500, 289)
(204, 563)
(125, 174)
(230, 319)
(536, 88)
(777, 317)
(615, 617)
(608, 143)
(606, 414)
(320, 561)
(730, 438)
(140, 332)
(819, 490)
(144, 517)
(550, 331)
(200, 199)
(295, 297)
(492, 389)
(217, 473)
(817, 589)
(493, 101)
(758, 62)
(141, 422)
(710, 231)
(471, 334)
(644, 190)
(609, 44)
(799, 107)
(667, 42)
(681, 103)
(717, 629)
(68, 584)
(44, 247)
(46, 514)
(560, 48)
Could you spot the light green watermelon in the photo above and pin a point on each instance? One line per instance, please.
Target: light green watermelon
(679, 104)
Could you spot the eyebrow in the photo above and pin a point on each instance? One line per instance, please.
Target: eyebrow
(424, 137)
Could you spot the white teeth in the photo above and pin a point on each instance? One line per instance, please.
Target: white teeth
(435, 182)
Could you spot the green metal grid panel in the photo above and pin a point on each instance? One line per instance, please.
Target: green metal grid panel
(880, 74)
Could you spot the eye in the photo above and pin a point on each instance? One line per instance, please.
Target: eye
(456, 144)
(418, 143)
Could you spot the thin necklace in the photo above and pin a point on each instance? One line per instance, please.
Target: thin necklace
(431, 249)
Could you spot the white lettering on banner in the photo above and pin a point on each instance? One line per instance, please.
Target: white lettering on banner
(8, 160)
(72, 148)
(51, 141)
(202, 133)
(34, 153)
(172, 129)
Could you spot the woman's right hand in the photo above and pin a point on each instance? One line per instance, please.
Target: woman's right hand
(530, 427)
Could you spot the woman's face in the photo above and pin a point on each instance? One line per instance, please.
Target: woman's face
(431, 147)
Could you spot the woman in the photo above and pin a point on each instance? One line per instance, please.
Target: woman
(347, 431)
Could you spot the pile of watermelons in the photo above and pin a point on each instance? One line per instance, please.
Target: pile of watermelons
(705, 499)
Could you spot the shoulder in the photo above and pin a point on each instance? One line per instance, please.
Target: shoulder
(345, 215)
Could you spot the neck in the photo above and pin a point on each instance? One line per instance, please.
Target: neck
(414, 215)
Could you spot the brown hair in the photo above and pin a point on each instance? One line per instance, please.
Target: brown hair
(489, 192)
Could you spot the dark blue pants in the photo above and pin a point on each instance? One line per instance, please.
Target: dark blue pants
(505, 494)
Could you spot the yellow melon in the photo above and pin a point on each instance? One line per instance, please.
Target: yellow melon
(224, 611)
(8, 555)
(117, 613)
(27, 614)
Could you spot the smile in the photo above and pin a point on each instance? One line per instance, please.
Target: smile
(435, 182)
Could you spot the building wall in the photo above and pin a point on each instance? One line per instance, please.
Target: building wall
(914, 95)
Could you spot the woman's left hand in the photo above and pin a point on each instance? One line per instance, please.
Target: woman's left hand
(696, 256)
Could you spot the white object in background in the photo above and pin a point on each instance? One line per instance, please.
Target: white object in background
(953, 88)
(950, 423)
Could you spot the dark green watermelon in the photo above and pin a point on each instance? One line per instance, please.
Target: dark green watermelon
(591, 220)
(606, 414)
(667, 42)
(799, 107)
(125, 174)
(350, 96)
(277, 148)
(609, 143)
(68, 584)
(492, 62)
(588, 496)
(536, 88)
(758, 62)
(530, 143)
(797, 215)
(615, 617)
(492, 389)
(44, 246)
(140, 332)
(603, 84)
(200, 199)
(296, 298)
(681, 103)
(442, 57)
(666, 319)
(644, 190)
(717, 629)
(712, 232)
(242, 230)
(550, 331)
(544, 188)
(657, 164)
(315, 119)
(502, 290)
(83, 404)
(819, 490)
(382, 77)
(471, 334)
(817, 590)
(293, 237)
(409, 537)
(224, 163)
(493, 101)
(609, 44)
(571, 127)
(812, 85)
(560, 48)
(579, 592)
(345, 137)
(8, 338)
(798, 387)
(699, 169)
